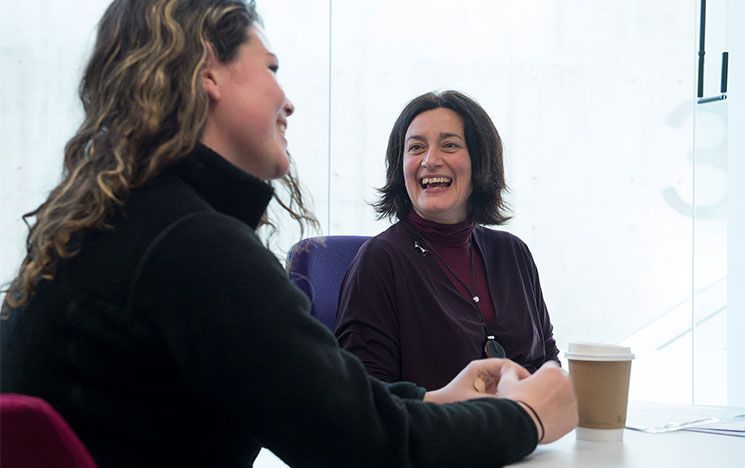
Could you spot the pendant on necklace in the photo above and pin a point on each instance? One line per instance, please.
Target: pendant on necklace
(475, 299)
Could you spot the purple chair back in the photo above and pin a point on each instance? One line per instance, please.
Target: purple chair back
(317, 266)
(34, 435)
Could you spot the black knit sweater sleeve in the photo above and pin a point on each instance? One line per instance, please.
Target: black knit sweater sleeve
(244, 344)
(406, 390)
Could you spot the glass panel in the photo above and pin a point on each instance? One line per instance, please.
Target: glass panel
(736, 204)
(717, 372)
(710, 254)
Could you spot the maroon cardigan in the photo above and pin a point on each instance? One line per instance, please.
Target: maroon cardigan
(402, 316)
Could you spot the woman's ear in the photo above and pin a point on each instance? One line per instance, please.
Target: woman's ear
(211, 74)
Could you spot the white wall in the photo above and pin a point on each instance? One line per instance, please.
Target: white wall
(43, 47)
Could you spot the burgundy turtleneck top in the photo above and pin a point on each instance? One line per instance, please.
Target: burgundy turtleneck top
(459, 258)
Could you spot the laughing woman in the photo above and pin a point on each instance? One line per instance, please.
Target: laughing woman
(437, 289)
(148, 313)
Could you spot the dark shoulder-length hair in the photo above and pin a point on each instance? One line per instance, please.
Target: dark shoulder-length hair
(486, 204)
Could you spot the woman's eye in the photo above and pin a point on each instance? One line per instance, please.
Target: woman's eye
(414, 148)
(274, 68)
(451, 146)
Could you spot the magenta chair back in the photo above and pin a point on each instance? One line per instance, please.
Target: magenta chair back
(34, 435)
(317, 266)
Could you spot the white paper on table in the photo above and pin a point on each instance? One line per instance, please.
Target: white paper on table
(735, 427)
(657, 418)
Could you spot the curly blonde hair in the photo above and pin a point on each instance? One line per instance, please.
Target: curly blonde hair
(144, 108)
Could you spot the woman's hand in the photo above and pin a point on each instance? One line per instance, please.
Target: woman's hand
(549, 392)
(479, 379)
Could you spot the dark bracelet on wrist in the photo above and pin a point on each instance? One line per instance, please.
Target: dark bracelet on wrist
(538, 418)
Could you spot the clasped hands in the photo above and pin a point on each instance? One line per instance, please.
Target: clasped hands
(547, 395)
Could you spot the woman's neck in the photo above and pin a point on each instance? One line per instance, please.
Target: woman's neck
(442, 235)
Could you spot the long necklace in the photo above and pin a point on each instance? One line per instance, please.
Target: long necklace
(492, 347)
(471, 290)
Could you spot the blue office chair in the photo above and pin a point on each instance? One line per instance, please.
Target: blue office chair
(317, 266)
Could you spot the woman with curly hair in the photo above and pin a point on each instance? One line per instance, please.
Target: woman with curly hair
(149, 314)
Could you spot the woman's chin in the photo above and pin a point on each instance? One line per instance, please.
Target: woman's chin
(282, 168)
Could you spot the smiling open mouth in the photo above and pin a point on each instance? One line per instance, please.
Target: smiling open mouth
(431, 182)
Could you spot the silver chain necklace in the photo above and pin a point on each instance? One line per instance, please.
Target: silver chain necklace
(471, 290)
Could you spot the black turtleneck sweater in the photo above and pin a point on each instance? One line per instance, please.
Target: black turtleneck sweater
(175, 339)
(408, 315)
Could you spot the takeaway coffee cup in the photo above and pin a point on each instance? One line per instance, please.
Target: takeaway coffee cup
(600, 374)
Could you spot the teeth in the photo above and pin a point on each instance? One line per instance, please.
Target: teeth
(435, 180)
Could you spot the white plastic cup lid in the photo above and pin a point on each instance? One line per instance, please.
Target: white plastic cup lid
(598, 352)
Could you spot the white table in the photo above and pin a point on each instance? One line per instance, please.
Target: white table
(680, 449)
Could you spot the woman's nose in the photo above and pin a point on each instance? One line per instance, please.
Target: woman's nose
(431, 159)
(289, 107)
